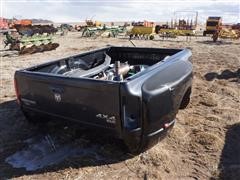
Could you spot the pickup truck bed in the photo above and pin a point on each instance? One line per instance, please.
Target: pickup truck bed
(135, 93)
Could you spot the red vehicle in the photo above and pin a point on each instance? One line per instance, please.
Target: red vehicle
(3, 24)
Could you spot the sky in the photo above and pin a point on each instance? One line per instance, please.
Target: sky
(120, 10)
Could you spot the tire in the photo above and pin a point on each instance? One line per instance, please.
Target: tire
(215, 36)
(130, 36)
(151, 37)
(204, 33)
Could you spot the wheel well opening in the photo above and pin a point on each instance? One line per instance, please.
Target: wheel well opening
(186, 98)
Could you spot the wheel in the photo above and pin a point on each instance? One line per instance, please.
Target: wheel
(130, 36)
(151, 37)
(215, 36)
(204, 33)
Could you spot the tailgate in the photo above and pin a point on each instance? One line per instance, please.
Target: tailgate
(87, 101)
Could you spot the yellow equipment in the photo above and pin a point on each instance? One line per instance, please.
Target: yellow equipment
(98, 23)
(178, 32)
(228, 33)
(147, 32)
(141, 30)
(213, 24)
(90, 23)
(225, 34)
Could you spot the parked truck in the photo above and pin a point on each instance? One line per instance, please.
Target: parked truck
(134, 93)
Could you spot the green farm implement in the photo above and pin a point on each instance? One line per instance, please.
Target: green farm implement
(31, 39)
(104, 31)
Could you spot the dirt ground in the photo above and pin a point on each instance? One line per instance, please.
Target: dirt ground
(204, 143)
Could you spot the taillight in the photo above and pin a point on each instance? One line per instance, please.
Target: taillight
(16, 91)
(166, 125)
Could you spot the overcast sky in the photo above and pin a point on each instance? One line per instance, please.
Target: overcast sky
(119, 10)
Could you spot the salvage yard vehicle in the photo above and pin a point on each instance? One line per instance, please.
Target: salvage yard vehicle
(135, 93)
(213, 24)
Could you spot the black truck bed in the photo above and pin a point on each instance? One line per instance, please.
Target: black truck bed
(74, 66)
(133, 92)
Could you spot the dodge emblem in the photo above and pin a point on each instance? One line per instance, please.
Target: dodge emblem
(57, 97)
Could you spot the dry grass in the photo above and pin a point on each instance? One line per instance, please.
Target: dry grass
(201, 142)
